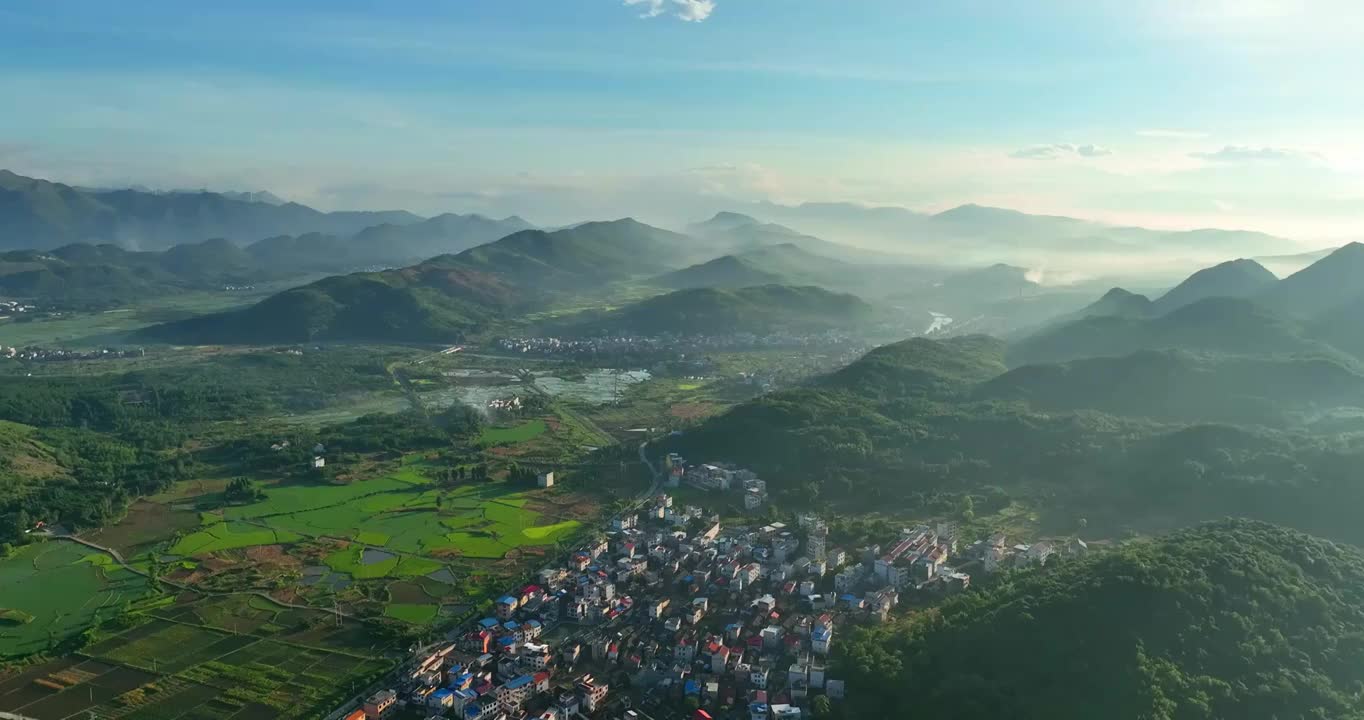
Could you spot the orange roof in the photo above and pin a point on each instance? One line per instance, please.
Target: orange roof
(357, 715)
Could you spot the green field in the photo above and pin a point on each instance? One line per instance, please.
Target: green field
(368, 537)
(528, 430)
(64, 589)
(417, 614)
(230, 536)
(352, 562)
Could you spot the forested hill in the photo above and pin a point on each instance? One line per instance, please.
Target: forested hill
(1229, 620)
(760, 310)
(448, 297)
(1123, 442)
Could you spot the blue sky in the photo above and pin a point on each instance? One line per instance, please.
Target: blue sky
(1234, 114)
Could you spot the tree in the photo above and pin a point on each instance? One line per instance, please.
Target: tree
(821, 706)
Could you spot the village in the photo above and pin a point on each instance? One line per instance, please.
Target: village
(41, 354)
(637, 344)
(669, 611)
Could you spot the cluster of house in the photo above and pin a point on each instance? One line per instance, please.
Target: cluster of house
(637, 344)
(319, 460)
(511, 404)
(40, 354)
(717, 610)
(14, 307)
(918, 560)
(996, 554)
(495, 672)
(716, 477)
(693, 612)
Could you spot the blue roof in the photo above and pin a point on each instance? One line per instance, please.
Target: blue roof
(691, 687)
(522, 681)
(849, 597)
(533, 623)
(510, 625)
(466, 694)
(442, 693)
(507, 600)
(821, 632)
(506, 641)
(472, 711)
(488, 622)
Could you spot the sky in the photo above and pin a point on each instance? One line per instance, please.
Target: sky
(1162, 113)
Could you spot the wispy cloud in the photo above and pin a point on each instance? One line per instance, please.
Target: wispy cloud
(688, 10)
(1249, 154)
(1056, 151)
(1173, 134)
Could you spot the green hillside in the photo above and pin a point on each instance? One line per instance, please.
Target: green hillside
(920, 366)
(1172, 385)
(580, 257)
(1234, 278)
(447, 298)
(75, 276)
(773, 264)
(1223, 325)
(760, 310)
(1320, 287)
(430, 302)
(1229, 620)
(924, 422)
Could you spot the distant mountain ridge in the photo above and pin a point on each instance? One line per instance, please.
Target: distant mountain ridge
(787, 263)
(40, 214)
(973, 234)
(1220, 325)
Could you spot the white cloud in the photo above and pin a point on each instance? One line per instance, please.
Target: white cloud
(1249, 154)
(1172, 134)
(688, 10)
(1059, 150)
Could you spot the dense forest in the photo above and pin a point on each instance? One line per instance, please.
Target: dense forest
(1235, 619)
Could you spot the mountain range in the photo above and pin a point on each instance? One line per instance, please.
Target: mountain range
(975, 234)
(39, 214)
(449, 297)
(1236, 307)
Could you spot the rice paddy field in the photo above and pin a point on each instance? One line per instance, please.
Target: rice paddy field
(54, 590)
(271, 663)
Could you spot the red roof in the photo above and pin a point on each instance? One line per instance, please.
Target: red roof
(541, 677)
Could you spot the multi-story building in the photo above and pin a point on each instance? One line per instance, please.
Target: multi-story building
(381, 704)
(592, 693)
